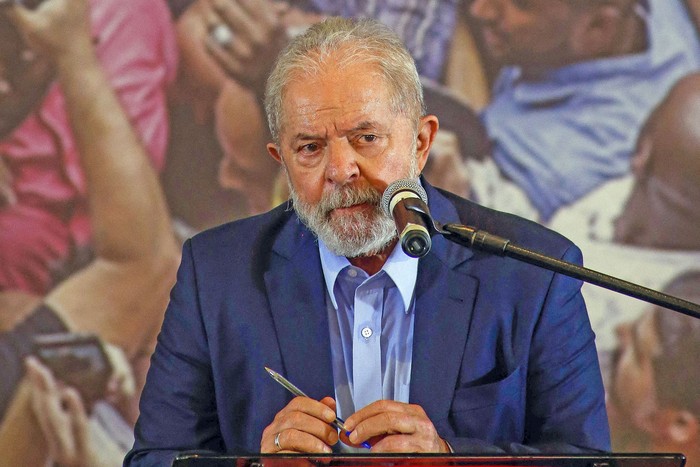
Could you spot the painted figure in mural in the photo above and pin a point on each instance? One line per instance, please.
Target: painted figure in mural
(657, 205)
(119, 295)
(286, 288)
(578, 79)
(44, 223)
(654, 213)
(663, 209)
(653, 399)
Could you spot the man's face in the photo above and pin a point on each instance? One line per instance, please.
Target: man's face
(537, 33)
(633, 388)
(24, 78)
(342, 145)
(661, 210)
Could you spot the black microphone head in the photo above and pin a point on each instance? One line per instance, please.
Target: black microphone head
(405, 184)
(415, 241)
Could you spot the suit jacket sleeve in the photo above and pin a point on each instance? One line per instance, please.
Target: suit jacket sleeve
(565, 408)
(178, 409)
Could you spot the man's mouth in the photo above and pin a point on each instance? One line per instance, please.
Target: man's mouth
(353, 208)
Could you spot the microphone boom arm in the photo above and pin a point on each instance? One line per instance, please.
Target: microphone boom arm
(483, 241)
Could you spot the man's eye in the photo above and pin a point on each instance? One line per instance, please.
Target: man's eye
(309, 148)
(368, 138)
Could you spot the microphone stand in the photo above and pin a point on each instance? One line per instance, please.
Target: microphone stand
(483, 241)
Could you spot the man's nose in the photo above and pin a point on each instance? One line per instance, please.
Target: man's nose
(341, 167)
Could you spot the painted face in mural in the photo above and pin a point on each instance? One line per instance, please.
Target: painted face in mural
(633, 388)
(342, 145)
(528, 32)
(24, 78)
(653, 397)
(663, 209)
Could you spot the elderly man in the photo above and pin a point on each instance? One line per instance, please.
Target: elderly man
(579, 79)
(228, 49)
(322, 294)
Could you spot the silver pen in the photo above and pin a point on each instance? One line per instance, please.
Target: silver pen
(338, 423)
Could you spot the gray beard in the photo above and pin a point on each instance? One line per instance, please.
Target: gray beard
(359, 234)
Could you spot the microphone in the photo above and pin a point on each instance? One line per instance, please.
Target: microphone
(413, 230)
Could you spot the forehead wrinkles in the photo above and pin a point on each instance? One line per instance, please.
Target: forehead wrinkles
(314, 124)
(337, 106)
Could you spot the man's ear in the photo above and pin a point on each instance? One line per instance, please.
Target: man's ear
(677, 426)
(275, 152)
(427, 129)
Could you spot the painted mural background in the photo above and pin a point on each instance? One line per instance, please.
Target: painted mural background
(604, 151)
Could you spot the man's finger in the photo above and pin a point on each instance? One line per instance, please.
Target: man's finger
(234, 16)
(232, 66)
(268, 14)
(40, 376)
(77, 417)
(294, 440)
(386, 423)
(313, 408)
(380, 407)
(312, 424)
(329, 402)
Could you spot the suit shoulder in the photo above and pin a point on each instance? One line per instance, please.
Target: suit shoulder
(242, 234)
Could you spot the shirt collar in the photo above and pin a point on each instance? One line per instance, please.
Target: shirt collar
(562, 83)
(401, 268)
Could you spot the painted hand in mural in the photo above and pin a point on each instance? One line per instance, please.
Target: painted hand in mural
(245, 37)
(72, 438)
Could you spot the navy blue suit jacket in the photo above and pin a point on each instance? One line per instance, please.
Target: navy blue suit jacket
(504, 356)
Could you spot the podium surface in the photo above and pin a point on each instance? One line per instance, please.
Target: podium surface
(431, 460)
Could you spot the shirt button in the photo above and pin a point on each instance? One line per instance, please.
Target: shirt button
(366, 332)
(352, 272)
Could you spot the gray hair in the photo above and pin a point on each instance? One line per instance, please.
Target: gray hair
(363, 40)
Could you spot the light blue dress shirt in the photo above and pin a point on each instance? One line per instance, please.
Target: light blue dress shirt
(560, 137)
(371, 329)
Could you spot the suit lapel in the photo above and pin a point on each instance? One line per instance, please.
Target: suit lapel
(297, 296)
(444, 305)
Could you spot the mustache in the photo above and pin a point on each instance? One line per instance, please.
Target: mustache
(349, 196)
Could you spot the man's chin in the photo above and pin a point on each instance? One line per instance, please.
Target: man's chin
(354, 251)
(354, 242)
